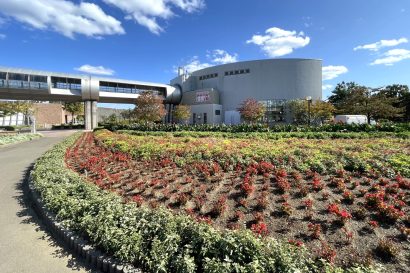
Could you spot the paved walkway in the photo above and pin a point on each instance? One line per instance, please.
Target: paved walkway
(25, 246)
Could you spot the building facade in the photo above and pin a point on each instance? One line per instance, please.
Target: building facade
(46, 115)
(215, 93)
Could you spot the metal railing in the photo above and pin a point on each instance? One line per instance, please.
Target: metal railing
(23, 84)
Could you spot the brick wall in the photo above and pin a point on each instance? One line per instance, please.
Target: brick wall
(48, 114)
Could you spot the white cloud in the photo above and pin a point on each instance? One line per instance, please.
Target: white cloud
(220, 56)
(194, 64)
(330, 72)
(215, 57)
(146, 12)
(96, 70)
(381, 44)
(63, 16)
(327, 87)
(278, 42)
(2, 36)
(392, 56)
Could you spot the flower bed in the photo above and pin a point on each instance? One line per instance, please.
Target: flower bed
(8, 139)
(158, 240)
(259, 185)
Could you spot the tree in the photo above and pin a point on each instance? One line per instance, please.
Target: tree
(252, 110)
(74, 108)
(298, 110)
(319, 111)
(127, 115)
(341, 92)
(6, 109)
(182, 112)
(401, 95)
(376, 105)
(149, 108)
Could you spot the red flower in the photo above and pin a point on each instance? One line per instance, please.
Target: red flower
(333, 208)
(297, 243)
(374, 224)
(260, 229)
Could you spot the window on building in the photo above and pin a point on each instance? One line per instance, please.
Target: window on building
(3, 75)
(36, 78)
(217, 112)
(18, 77)
(194, 118)
(248, 71)
(226, 73)
(205, 118)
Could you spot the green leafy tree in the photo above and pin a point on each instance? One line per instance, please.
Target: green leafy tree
(113, 118)
(251, 110)
(320, 111)
(342, 92)
(74, 108)
(182, 112)
(6, 109)
(298, 110)
(401, 95)
(372, 103)
(127, 115)
(149, 108)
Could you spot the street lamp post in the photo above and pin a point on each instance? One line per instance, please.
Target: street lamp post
(309, 100)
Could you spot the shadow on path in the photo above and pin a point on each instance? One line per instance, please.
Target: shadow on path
(29, 217)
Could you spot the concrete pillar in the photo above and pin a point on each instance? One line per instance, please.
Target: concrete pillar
(90, 115)
(87, 115)
(94, 117)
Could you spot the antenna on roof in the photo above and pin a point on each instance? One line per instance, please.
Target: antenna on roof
(180, 71)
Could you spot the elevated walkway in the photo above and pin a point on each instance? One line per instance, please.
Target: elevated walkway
(25, 84)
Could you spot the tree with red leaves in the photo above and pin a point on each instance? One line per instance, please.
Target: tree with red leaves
(149, 108)
(251, 110)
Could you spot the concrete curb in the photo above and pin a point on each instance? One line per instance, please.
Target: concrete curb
(88, 253)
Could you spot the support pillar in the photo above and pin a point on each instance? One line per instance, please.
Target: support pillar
(94, 117)
(87, 115)
(90, 115)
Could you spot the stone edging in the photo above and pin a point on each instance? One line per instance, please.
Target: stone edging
(89, 254)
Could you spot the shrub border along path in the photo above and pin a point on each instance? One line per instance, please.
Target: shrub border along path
(81, 247)
(9, 139)
(155, 239)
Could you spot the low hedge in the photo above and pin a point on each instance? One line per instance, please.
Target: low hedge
(67, 126)
(384, 127)
(13, 138)
(7, 128)
(267, 135)
(157, 240)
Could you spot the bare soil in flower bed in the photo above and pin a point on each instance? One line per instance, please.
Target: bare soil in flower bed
(344, 217)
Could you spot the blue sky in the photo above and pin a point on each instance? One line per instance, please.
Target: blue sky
(363, 41)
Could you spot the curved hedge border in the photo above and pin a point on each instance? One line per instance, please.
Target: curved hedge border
(81, 247)
(272, 135)
(246, 128)
(158, 240)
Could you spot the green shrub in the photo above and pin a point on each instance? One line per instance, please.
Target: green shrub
(241, 128)
(7, 128)
(13, 138)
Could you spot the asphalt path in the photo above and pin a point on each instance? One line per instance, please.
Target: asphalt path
(25, 244)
